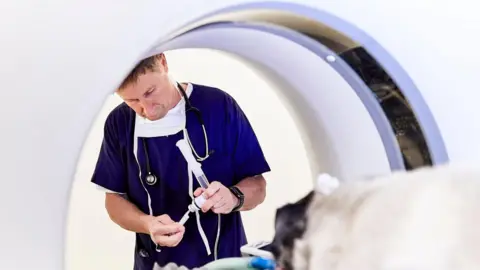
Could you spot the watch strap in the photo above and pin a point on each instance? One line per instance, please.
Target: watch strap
(237, 193)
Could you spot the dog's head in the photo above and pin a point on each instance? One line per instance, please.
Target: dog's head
(291, 222)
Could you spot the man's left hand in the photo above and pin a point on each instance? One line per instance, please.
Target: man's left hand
(219, 198)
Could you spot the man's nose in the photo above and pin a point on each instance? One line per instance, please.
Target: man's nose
(148, 108)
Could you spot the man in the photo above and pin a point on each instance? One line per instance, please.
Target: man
(146, 178)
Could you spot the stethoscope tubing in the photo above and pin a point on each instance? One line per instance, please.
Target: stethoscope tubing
(150, 178)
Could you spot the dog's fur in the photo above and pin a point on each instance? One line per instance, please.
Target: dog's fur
(426, 219)
(290, 224)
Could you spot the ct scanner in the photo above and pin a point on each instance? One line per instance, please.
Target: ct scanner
(60, 59)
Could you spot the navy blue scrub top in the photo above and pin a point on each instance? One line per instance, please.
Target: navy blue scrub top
(237, 155)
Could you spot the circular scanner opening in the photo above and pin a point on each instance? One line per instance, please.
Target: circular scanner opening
(395, 118)
(410, 139)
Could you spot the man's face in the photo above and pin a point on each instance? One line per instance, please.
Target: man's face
(152, 95)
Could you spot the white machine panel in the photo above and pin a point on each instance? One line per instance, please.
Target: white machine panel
(60, 59)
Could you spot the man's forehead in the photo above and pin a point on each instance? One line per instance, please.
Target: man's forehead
(144, 83)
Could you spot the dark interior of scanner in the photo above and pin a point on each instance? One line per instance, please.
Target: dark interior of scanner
(397, 109)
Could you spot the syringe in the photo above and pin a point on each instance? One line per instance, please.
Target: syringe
(198, 202)
(193, 163)
(199, 175)
(196, 205)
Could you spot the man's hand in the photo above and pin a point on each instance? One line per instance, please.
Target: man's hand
(218, 198)
(164, 231)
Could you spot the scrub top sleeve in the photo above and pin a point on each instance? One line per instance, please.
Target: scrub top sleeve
(110, 170)
(248, 157)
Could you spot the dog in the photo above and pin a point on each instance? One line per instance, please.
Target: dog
(423, 219)
(427, 218)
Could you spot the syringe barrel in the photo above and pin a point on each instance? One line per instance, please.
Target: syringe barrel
(193, 163)
(201, 178)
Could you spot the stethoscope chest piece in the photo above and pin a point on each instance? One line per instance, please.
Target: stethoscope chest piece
(151, 179)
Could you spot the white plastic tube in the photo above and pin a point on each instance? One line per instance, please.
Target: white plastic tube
(193, 163)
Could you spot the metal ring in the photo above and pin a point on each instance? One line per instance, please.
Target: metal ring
(143, 253)
(151, 179)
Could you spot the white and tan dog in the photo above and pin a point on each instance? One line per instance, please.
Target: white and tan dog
(426, 219)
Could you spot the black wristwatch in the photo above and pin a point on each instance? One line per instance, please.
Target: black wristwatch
(241, 198)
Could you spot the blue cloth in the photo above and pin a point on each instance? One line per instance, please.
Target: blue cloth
(262, 263)
(237, 155)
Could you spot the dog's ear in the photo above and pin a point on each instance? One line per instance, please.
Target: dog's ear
(326, 184)
(290, 213)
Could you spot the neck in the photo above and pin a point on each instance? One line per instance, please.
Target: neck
(177, 96)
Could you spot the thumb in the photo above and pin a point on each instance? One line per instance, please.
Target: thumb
(198, 192)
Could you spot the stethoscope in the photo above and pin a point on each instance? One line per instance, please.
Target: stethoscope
(150, 178)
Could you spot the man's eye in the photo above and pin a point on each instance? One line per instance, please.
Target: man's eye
(150, 92)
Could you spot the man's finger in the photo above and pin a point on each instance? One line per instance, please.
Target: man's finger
(212, 189)
(224, 209)
(218, 205)
(176, 238)
(211, 202)
(207, 205)
(169, 240)
(165, 219)
(198, 192)
(167, 229)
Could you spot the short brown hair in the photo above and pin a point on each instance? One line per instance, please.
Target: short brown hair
(144, 66)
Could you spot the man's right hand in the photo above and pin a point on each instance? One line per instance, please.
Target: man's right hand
(164, 231)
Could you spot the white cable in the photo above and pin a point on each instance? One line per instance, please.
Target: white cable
(215, 251)
(202, 233)
(149, 199)
(199, 200)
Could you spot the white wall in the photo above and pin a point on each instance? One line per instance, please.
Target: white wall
(94, 242)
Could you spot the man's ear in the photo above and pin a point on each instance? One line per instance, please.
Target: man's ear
(162, 61)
